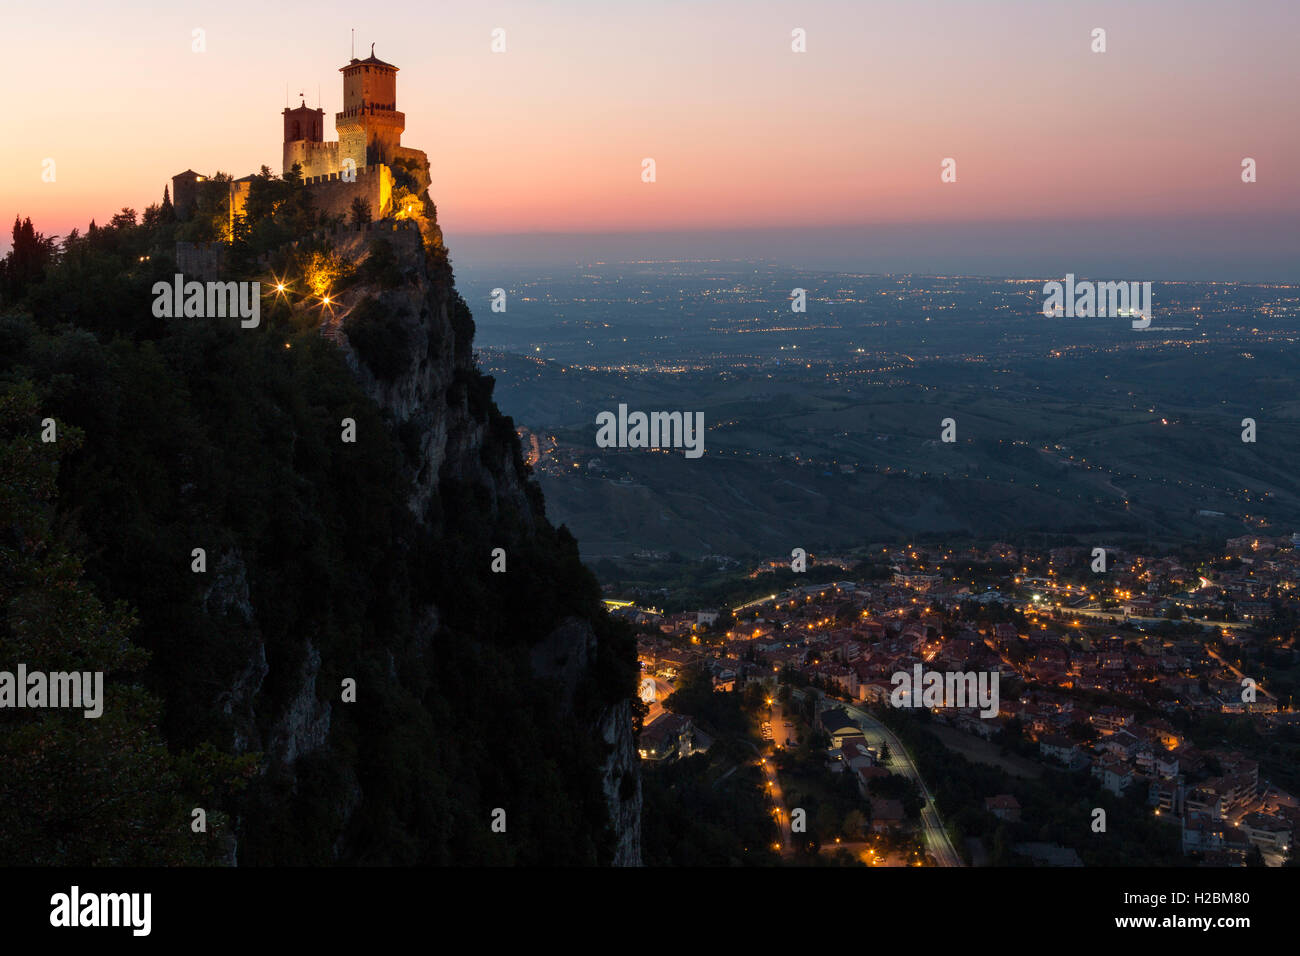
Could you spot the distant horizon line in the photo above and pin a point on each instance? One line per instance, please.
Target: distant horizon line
(1207, 218)
(893, 274)
(884, 248)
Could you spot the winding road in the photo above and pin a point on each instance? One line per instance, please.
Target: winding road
(937, 842)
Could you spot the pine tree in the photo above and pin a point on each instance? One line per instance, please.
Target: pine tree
(27, 260)
(360, 211)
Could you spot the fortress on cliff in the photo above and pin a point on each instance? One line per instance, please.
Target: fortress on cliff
(360, 165)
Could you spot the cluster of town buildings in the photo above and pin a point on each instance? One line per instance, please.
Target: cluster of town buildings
(1060, 632)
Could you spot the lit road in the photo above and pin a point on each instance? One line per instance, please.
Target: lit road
(762, 600)
(1098, 614)
(1239, 675)
(662, 690)
(773, 783)
(782, 735)
(900, 762)
(778, 799)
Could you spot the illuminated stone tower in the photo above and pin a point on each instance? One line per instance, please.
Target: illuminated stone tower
(304, 142)
(369, 126)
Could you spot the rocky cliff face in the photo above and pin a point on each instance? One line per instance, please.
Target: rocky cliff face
(567, 655)
(422, 398)
(453, 437)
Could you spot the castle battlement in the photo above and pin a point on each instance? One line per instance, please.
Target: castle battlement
(371, 109)
(364, 172)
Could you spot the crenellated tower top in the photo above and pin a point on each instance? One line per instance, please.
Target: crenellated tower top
(369, 125)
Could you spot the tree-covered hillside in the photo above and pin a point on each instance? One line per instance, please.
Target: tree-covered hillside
(183, 434)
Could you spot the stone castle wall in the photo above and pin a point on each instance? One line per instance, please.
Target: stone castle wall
(201, 261)
(352, 242)
(333, 196)
(316, 159)
(238, 205)
(369, 135)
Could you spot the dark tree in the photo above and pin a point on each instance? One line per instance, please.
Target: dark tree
(360, 212)
(27, 261)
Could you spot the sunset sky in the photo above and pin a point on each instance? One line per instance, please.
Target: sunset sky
(1139, 146)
